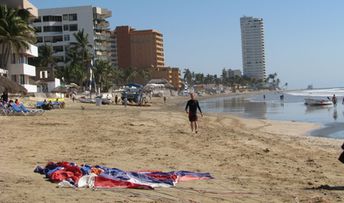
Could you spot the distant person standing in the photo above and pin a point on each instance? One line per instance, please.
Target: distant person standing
(264, 96)
(334, 99)
(73, 97)
(4, 97)
(165, 99)
(116, 99)
(191, 109)
(125, 100)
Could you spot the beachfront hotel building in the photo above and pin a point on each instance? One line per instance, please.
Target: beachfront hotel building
(19, 69)
(143, 49)
(252, 41)
(138, 48)
(56, 26)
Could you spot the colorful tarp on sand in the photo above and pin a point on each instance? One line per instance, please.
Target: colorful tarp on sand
(68, 174)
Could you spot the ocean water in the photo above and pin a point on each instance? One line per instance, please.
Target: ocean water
(291, 108)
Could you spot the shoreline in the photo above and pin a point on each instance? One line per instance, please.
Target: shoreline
(323, 130)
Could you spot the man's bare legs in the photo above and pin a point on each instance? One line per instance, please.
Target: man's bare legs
(194, 125)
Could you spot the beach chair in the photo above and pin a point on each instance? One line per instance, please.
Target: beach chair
(23, 111)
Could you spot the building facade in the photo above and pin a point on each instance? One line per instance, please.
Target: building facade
(19, 69)
(56, 26)
(138, 48)
(171, 74)
(143, 49)
(253, 51)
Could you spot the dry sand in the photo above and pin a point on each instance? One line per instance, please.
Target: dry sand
(251, 160)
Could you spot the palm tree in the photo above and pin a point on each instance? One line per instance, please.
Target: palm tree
(46, 59)
(187, 76)
(79, 59)
(104, 74)
(15, 33)
(82, 46)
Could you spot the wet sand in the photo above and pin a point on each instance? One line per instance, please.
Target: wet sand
(252, 160)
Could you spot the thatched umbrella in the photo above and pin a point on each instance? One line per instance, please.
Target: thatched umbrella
(11, 86)
(60, 89)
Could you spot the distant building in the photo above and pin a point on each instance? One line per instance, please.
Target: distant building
(56, 26)
(234, 73)
(138, 48)
(172, 75)
(143, 49)
(19, 69)
(252, 41)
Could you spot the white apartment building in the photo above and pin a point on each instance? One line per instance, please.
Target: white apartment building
(252, 42)
(56, 26)
(18, 68)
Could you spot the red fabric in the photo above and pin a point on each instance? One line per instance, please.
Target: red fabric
(162, 176)
(187, 178)
(68, 171)
(102, 182)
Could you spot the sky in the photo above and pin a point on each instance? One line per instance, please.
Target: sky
(304, 39)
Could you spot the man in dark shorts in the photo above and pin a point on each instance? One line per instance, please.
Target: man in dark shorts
(193, 105)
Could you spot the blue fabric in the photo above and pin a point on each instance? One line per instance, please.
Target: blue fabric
(86, 169)
(117, 174)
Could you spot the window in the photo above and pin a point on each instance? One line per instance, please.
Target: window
(57, 38)
(43, 74)
(66, 38)
(39, 39)
(65, 17)
(65, 27)
(38, 20)
(48, 39)
(52, 28)
(58, 48)
(21, 79)
(73, 17)
(38, 29)
(52, 18)
(73, 27)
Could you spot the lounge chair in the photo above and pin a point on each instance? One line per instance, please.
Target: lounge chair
(21, 110)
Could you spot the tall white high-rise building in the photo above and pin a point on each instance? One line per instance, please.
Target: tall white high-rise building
(56, 26)
(252, 42)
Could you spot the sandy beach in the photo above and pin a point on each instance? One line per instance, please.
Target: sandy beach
(251, 160)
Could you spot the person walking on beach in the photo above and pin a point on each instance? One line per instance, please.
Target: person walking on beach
(334, 99)
(116, 99)
(125, 100)
(191, 109)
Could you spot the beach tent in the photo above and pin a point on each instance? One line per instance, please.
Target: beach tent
(11, 86)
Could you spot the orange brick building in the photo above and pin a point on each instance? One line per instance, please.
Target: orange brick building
(139, 48)
(143, 49)
(172, 75)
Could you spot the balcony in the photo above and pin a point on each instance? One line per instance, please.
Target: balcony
(30, 88)
(22, 69)
(31, 51)
(101, 38)
(102, 12)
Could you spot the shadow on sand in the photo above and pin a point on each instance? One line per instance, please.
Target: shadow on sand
(326, 187)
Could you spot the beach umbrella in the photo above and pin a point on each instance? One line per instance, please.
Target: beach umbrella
(60, 89)
(11, 86)
(73, 85)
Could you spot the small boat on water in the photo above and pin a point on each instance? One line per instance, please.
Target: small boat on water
(318, 102)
